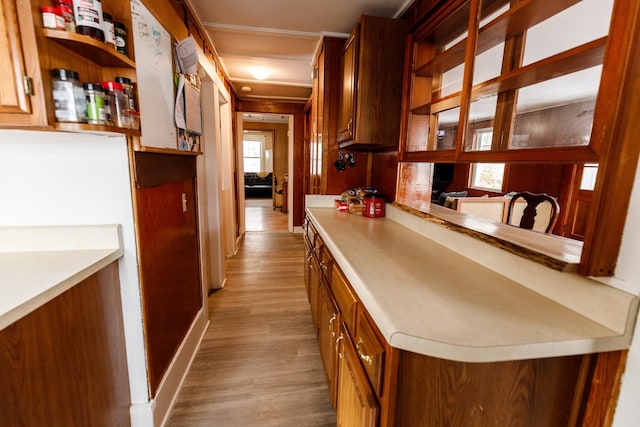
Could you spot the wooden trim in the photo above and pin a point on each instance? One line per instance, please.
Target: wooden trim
(604, 389)
(615, 131)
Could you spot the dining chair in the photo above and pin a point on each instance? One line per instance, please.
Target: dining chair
(533, 211)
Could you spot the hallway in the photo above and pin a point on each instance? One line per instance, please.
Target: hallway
(259, 362)
(260, 216)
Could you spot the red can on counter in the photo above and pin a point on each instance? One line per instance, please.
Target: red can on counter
(373, 206)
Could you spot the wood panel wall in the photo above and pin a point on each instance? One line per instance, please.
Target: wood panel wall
(168, 254)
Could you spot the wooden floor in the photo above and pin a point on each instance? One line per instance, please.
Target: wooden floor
(259, 363)
(260, 216)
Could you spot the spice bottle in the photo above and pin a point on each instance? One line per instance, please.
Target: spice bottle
(51, 18)
(109, 30)
(65, 10)
(118, 104)
(95, 104)
(88, 14)
(121, 37)
(68, 96)
(127, 88)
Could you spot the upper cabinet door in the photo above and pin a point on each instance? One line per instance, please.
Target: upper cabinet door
(20, 81)
(347, 119)
(371, 92)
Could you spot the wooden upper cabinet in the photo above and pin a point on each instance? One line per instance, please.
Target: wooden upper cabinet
(371, 91)
(21, 99)
(346, 119)
(31, 51)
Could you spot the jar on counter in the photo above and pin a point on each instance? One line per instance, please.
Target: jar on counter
(68, 96)
(109, 29)
(51, 18)
(121, 37)
(127, 88)
(65, 9)
(118, 104)
(94, 95)
(88, 15)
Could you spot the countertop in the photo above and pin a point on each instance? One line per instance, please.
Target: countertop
(39, 263)
(440, 293)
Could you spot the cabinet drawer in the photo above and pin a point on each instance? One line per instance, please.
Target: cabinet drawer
(345, 298)
(326, 262)
(370, 349)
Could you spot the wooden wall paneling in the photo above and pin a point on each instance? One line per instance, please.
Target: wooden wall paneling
(65, 363)
(168, 254)
(384, 173)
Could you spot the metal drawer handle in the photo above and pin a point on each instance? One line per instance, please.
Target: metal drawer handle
(333, 318)
(365, 358)
(341, 337)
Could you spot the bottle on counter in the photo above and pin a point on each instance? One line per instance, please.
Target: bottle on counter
(88, 17)
(68, 96)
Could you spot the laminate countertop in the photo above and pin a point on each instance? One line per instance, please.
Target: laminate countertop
(39, 263)
(437, 292)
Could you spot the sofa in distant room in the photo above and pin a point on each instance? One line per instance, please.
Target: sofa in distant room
(258, 184)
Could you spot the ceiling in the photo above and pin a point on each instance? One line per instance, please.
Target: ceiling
(281, 36)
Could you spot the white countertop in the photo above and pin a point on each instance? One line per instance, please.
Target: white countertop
(39, 263)
(427, 297)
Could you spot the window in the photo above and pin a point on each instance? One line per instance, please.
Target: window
(589, 173)
(252, 155)
(257, 151)
(485, 176)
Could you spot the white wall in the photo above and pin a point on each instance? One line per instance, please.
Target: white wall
(628, 272)
(58, 178)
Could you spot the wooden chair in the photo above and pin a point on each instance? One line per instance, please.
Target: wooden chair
(538, 212)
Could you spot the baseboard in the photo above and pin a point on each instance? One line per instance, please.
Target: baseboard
(169, 387)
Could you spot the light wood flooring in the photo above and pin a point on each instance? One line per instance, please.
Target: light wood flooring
(259, 363)
(260, 216)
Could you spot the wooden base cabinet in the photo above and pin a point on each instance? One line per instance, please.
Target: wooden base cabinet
(328, 332)
(64, 364)
(376, 384)
(357, 403)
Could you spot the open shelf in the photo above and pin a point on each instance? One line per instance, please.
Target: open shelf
(95, 50)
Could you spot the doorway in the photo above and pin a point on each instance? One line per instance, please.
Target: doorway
(265, 156)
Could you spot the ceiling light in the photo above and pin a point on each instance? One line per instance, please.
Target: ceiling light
(260, 73)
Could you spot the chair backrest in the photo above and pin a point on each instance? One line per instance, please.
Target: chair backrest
(538, 212)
